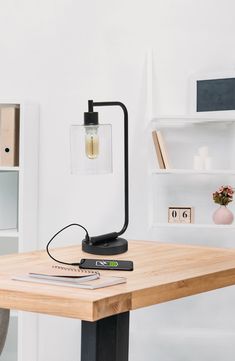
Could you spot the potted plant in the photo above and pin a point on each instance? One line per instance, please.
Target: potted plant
(223, 196)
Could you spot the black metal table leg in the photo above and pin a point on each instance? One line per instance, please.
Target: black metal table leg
(106, 339)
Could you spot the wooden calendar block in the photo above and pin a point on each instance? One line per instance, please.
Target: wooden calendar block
(180, 215)
(173, 215)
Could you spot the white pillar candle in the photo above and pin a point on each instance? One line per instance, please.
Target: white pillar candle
(208, 162)
(198, 162)
(203, 151)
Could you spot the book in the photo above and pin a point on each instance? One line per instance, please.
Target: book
(70, 277)
(61, 273)
(9, 136)
(158, 150)
(163, 149)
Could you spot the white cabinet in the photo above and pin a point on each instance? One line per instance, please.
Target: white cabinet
(18, 223)
(184, 186)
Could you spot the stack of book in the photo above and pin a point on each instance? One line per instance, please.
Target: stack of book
(161, 151)
(71, 276)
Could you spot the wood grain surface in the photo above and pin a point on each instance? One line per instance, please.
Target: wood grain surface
(162, 272)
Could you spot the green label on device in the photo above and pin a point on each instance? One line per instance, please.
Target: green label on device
(113, 263)
(107, 263)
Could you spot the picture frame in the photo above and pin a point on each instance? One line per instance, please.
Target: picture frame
(215, 89)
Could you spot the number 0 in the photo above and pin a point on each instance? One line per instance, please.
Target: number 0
(174, 214)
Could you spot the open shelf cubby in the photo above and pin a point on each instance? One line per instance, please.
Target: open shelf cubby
(183, 137)
(180, 185)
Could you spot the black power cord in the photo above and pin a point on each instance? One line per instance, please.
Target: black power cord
(56, 234)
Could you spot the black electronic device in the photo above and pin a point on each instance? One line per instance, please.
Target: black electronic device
(106, 264)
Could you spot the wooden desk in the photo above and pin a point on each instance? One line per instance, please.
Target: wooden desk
(162, 272)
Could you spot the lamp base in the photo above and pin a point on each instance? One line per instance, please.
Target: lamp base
(115, 246)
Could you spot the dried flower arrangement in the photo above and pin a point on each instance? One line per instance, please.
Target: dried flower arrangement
(223, 195)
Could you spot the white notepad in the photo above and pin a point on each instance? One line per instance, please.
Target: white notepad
(70, 276)
(102, 281)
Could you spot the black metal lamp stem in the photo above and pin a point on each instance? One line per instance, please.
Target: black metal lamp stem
(113, 235)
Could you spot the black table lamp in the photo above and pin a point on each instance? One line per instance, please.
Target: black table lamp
(91, 150)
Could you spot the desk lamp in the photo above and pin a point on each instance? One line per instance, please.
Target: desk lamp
(91, 150)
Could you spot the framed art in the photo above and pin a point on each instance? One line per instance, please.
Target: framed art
(212, 93)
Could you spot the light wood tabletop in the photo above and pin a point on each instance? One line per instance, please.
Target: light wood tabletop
(162, 272)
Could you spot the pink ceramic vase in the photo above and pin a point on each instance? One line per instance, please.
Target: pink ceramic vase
(223, 215)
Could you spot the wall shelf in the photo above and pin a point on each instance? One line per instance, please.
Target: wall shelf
(189, 120)
(193, 171)
(193, 225)
(9, 169)
(9, 233)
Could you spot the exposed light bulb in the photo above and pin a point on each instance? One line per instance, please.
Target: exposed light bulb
(92, 142)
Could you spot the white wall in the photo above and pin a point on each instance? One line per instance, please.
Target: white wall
(61, 53)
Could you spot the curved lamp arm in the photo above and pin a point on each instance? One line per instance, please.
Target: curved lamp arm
(113, 235)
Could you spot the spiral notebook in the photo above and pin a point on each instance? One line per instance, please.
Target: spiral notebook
(70, 277)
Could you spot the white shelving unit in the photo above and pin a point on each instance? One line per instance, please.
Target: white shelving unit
(22, 335)
(182, 185)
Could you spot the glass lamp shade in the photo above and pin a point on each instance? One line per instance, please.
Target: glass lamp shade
(91, 149)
